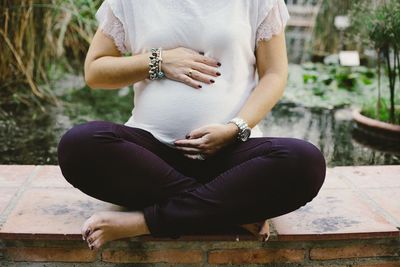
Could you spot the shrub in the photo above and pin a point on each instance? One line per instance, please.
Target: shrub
(36, 38)
(378, 25)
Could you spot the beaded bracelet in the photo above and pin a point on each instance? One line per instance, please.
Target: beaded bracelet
(155, 71)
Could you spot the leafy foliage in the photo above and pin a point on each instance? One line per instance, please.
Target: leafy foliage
(85, 104)
(378, 26)
(328, 86)
(319, 77)
(36, 37)
(369, 110)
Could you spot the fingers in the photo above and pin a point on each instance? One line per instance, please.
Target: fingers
(189, 150)
(204, 69)
(189, 81)
(198, 76)
(197, 133)
(190, 67)
(193, 143)
(206, 60)
(200, 57)
(195, 138)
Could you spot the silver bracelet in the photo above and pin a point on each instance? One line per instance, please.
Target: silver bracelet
(155, 71)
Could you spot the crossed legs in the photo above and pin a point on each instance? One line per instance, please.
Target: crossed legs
(172, 195)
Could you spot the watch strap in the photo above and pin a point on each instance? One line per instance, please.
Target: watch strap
(241, 124)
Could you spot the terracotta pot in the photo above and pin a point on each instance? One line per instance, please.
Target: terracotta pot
(376, 128)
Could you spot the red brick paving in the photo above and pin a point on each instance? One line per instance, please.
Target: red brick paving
(334, 214)
(50, 205)
(356, 203)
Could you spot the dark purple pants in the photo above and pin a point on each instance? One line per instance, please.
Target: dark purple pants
(248, 182)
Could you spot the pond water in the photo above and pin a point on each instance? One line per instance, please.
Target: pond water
(333, 132)
(34, 141)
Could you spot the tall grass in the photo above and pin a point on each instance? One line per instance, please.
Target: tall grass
(35, 36)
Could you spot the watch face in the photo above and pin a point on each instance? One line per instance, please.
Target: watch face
(246, 134)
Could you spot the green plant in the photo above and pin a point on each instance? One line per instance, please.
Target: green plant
(36, 36)
(85, 104)
(320, 78)
(369, 110)
(377, 24)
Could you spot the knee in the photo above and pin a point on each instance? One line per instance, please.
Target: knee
(73, 147)
(72, 140)
(310, 166)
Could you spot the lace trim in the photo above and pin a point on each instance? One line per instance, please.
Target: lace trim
(113, 28)
(274, 23)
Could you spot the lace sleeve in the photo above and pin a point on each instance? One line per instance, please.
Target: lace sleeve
(274, 22)
(111, 26)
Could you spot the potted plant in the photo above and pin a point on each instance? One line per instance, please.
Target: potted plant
(377, 24)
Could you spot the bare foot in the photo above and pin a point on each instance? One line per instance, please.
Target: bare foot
(105, 226)
(259, 229)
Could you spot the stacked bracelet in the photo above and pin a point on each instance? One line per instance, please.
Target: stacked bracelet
(155, 71)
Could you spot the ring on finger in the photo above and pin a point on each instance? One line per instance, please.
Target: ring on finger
(190, 73)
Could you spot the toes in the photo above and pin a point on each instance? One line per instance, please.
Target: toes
(85, 231)
(93, 236)
(87, 228)
(96, 244)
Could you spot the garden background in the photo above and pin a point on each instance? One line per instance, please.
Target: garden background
(42, 90)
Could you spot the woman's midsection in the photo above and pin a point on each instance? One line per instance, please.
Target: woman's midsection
(175, 108)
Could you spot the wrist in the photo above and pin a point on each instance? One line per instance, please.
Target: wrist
(156, 58)
(233, 127)
(166, 59)
(233, 130)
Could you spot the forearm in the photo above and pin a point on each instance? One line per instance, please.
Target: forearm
(263, 98)
(109, 72)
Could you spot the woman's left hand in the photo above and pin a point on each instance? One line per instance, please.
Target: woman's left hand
(207, 140)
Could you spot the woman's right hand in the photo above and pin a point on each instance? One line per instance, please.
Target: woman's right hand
(177, 63)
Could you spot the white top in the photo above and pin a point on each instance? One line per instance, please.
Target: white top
(227, 30)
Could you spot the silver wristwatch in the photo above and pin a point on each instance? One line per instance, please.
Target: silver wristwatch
(244, 129)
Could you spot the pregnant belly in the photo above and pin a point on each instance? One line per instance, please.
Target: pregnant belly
(170, 109)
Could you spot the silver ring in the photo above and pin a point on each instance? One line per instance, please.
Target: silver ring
(201, 157)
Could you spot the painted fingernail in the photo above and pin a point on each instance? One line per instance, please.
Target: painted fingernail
(199, 86)
(212, 81)
(201, 53)
(219, 64)
(218, 73)
(87, 232)
(187, 136)
(91, 247)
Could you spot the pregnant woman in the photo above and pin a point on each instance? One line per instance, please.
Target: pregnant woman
(191, 158)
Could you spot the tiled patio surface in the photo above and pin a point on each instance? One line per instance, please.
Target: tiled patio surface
(361, 202)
